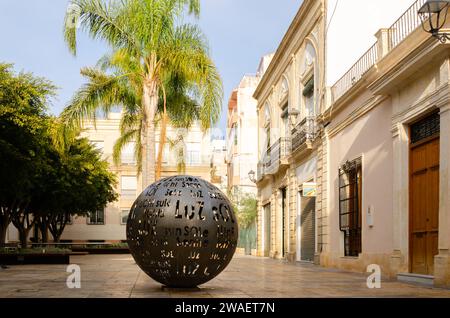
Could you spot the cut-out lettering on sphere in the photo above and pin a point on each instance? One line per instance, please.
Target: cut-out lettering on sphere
(182, 231)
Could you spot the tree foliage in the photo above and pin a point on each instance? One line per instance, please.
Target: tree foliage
(39, 182)
(157, 65)
(246, 207)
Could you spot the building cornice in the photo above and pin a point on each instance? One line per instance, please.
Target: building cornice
(303, 25)
(439, 98)
(396, 72)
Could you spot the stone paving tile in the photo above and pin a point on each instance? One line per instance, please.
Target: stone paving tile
(117, 276)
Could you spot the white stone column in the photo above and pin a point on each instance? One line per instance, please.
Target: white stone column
(442, 261)
(259, 226)
(400, 199)
(274, 225)
(292, 207)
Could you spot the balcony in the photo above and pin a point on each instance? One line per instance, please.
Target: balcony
(275, 158)
(396, 34)
(304, 133)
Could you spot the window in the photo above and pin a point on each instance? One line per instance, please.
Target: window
(166, 152)
(124, 216)
(127, 157)
(267, 114)
(233, 134)
(128, 186)
(99, 145)
(96, 218)
(268, 141)
(285, 119)
(308, 95)
(284, 88)
(425, 128)
(267, 124)
(193, 155)
(350, 206)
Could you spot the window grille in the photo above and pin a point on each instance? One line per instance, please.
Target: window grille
(350, 206)
(425, 128)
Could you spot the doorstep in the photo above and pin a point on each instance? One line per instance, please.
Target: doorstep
(425, 280)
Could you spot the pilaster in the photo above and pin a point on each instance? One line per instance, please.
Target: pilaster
(442, 260)
(399, 259)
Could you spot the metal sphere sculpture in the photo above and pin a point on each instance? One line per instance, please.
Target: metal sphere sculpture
(182, 231)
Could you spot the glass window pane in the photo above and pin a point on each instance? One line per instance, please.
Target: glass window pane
(129, 182)
(124, 216)
(127, 156)
(99, 145)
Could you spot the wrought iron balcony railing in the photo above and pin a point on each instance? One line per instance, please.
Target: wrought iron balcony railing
(398, 32)
(356, 72)
(405, 25)
(305, 131)
(275, 156)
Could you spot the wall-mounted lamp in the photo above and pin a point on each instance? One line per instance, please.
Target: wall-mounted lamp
(252, 176)
(434, 15)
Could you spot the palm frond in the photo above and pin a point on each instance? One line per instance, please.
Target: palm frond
(187, 54)
(102, 92)
(102, 20)
(124, 139)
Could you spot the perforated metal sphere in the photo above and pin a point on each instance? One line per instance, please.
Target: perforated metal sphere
(182, 231)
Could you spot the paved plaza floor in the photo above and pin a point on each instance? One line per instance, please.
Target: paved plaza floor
(119, 276)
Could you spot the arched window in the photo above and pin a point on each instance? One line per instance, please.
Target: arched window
(308, 83)
(267, 124)
(310, 55)
(266, 114)
(284, 89)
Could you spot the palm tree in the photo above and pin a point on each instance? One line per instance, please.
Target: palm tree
(153, 62)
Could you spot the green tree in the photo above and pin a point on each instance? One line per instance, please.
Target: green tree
(247, 210)
(23, 100)
(156, 64)
(80, 184)
(40, 184)
(246, 207)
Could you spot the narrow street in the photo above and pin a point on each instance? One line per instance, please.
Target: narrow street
(118, 276)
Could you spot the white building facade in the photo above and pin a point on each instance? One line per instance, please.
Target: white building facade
(378, 159)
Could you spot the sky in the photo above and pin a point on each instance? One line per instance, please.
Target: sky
(239, 32)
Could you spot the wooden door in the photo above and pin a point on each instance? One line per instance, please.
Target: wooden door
(424, 210)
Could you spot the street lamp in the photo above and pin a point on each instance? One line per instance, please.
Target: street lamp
(251, 176)
(434, 15)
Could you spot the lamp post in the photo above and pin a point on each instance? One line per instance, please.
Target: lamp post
(434, 15)
(251, 176)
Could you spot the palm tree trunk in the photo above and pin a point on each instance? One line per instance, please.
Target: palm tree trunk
(162, 143)
(150, 101)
